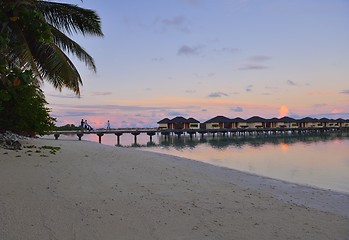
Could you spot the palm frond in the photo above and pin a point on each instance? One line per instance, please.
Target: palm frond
(70, 46)
(37, 32)
(71, 18)
(55, 67)
(21, 52)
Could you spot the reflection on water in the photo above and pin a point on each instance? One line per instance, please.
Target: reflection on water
(317, 160)
(223, 143)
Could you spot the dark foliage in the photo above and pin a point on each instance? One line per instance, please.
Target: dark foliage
(23, 106)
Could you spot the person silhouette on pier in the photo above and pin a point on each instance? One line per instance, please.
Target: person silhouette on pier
(87, 126)
(108, 125)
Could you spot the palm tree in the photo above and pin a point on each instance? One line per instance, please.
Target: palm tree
(34, 37)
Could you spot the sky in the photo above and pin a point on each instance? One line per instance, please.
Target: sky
(203, 58)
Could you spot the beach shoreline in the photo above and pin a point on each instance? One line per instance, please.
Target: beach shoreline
(86, 190)
(307, 195)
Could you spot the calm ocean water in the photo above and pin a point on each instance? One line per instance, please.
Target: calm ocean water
(320, 161)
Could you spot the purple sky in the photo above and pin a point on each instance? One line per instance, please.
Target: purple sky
(202, 58)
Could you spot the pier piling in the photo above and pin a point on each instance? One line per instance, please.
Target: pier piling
(100, 137)
(118, 134)
(135, 134)
(151, 134)
(80, 135)
(56, 136)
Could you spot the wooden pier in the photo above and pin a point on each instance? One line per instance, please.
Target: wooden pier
(192, 132)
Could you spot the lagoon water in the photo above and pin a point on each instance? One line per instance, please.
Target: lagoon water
(321, 161)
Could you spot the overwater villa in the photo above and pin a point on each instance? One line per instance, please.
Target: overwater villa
(239, 123)
(309, 122)
(325, 122)
(218, 122)
(164, 123)
(285, 122)
(179, 123)
(255, 122)
(341, 122)
(193, 123)
(345, 124)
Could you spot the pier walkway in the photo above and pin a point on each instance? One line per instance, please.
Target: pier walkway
(213, 132)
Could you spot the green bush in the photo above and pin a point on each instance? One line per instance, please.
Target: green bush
(23, 106)
(67, 127)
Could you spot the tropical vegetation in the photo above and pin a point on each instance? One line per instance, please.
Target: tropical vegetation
(23, 106)
(34, 47)
(67, 127)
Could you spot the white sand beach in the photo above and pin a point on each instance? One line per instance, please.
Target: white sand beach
(91, 191)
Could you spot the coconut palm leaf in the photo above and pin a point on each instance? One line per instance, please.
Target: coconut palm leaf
(20, 52)
(36, 30)
(55, 66)
(71, 18)
(68, 45)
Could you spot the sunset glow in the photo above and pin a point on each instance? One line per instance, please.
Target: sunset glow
(206, 58)
(284, 147)
(283, 111)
